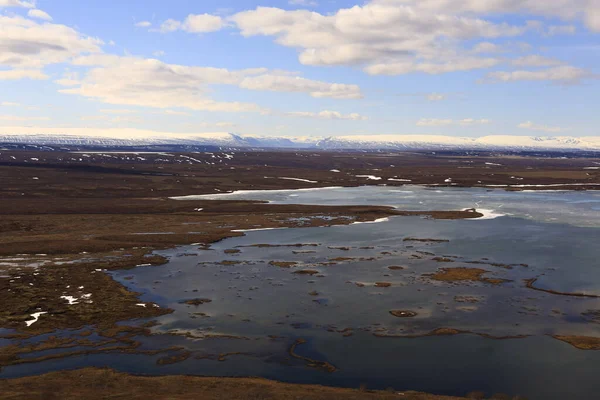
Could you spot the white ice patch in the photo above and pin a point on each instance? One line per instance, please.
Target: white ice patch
(35, 317)
(399, 180)
(487, 214)
(257, 229)
(247, 192)
(299, 180)
(370, 177)
(334, 170)
(491, 163)
(557, 185)
(386, 219)
(198, 209)
(141, 305)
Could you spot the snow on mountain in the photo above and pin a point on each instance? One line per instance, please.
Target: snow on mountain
(366, 142)
(429, 142)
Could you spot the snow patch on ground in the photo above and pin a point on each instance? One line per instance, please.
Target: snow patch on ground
(386, 219)
(35, 317)
(257, 229)
(369, 177)
(86, 298)
(72, 300)
(242, 192)
(299, 180)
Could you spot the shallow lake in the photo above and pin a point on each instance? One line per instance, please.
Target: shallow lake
(334, 289)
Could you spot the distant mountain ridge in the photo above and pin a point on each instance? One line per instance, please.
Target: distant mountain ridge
(374, 142)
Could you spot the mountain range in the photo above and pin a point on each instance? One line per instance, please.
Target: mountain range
(366, 142)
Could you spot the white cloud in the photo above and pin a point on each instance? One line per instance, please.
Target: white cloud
(436, 97)
(536, 127)
(393, 37)
(26, 46)
(225, 124)
(487, 47)
(448, 122)
(18, 118)
(326, 114)
(587, 10)
(15, 74)
(94, 118)
(153, 83)
(9, 104)
(125, 119)
(471, 121)
(194, 23)
(69, 78)
(554, 30)
(383, 39)
(158, 53)
(464, 64)
(119, 119)
(174, 112)
(535, 60)
(283, 83)
(16, 3)
(304, 3)
(562, 74)
(35, 13)
(143, 24)
(117, 111)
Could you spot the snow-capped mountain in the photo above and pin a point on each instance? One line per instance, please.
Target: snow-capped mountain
(430, 142)
(372, 142)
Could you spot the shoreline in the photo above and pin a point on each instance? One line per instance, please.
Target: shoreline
(85, 383)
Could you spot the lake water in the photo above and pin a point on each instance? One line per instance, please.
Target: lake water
(259, 310)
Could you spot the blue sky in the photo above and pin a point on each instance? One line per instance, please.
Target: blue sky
(301, 67)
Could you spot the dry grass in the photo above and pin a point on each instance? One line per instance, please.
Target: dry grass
(93, 383)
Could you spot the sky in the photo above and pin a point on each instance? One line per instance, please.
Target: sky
(299, 68)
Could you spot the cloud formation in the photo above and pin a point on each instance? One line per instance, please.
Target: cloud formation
(562, 74)
(16, 74)
(303, 3)
(194, 23)
(537, 127)
(396, 37)
(448, 122)
(153, 83)
(535, 60)
(436, 97)
(326, 114)
(16, 3)
(383, 39)
(39, 14)
(27, 46)
(285, 83)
